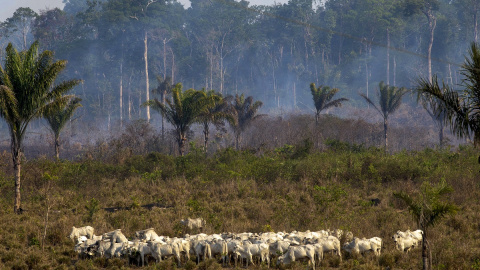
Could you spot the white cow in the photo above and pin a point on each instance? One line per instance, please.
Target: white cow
(137, 249)
(219, 247)
(109, 249)
(418, 234)
(361, 246)
(328, 244)
(184, 246)
(164, 250)
(193, 223)
(298, 252)
(278, 248)
(82, 231)
(147, 235)
(201, 249)
(115, 236)
(248, 251)
(405, 241)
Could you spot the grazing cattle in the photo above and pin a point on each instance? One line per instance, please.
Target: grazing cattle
(137, 249)
(295, 253)
(219, 247)
(109, 249)
(82, 231)
(202, 250)
(193, 223)
(115, 250)
(184, 246)
(278, 248)
(340, 233)
(147, 235)
(115, 236)
(405, 241)
(328, 244)
(164, 250)
(85, 249)
(418, 234)
(249, 251)
(361, 246)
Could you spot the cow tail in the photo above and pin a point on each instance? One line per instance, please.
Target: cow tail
(207, 252)
(224, 252)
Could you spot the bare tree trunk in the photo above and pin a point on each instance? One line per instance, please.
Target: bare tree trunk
(440, 132)
(385, 130)
(294, 96)
(432, 22)
(206, 133)
(388, 57)
(121, 94)
(237, 141)
(147, 85)
(425, 250)
(16, 156)
(394, 70)
(57, 147)
(181, 143)
(366, 79)
(475, 26)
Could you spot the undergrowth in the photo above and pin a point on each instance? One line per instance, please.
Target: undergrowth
(290, 188)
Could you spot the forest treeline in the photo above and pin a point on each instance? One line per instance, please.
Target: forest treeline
(120, 48)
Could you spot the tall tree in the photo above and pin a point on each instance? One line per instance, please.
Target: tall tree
(163, 89)
(322, 99)
(438, 115)
(428, 207)
(28, 92)
(244, 112)
(389, 100)
(461, 107)
(469, 7)
(427, 8)
(215, 114)
(181, 111)
(21, 22)
(59, 118)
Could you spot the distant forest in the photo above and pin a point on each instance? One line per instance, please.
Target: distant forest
(122, 48)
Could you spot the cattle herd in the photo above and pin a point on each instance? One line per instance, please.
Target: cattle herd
(237, 247)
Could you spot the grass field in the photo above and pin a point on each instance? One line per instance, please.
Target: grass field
(293, 187)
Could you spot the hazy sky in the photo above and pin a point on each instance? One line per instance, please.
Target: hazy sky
(7, 7)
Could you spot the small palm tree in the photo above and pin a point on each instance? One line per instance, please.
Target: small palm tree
(58, 119)
(428, 208)
(181, 111)
(163, 89)
(438, 115)
(243, 113)
(27, 92)
(461, 107)
(215, 113)
(389, 100)
(322, 98)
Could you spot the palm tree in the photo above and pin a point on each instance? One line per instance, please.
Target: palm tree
(60, 118)
(437, 114)
(215, 113)
(27, 92)
(163, 89)
(181, 111)
(244, 112)
(322, 98)
(461, 107)
(389, 99)
(427, 208)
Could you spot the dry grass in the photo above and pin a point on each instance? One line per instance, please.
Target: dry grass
(292, 188)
